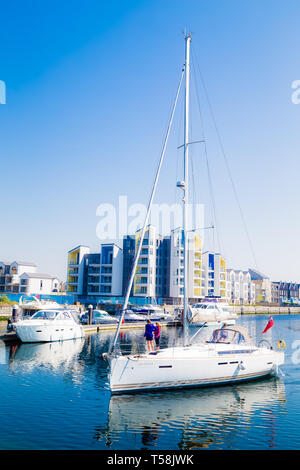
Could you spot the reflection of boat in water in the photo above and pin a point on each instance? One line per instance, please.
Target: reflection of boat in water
(217, 410)
(51, 355)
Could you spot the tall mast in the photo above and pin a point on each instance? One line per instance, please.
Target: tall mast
(137, 254)
(188, 38)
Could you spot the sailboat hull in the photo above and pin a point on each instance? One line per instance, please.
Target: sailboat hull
(156, 372)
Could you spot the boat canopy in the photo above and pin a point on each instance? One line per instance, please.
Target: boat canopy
(231, 334)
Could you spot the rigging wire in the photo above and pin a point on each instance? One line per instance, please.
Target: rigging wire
(210, 184)
(225, 160)
(179, 137)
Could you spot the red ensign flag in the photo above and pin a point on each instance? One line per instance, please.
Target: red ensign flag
(269, 324)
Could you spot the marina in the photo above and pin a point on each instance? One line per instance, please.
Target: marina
(149, 274)
(65, 384)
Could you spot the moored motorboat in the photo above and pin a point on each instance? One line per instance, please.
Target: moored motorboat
(153, 312)
(211, 313)
(49, 325)
(131, 316)
(99, 316)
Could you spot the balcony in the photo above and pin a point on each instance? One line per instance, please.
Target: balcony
(72, 273)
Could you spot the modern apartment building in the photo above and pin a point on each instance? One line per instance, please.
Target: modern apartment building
(159, 273)
(162, 278)
(76, 269)
(145, 277)
(94, 274)
(263, 287)
(195, 276)
(240, 288)
(215, 275)
(128, 258)
(161, 249)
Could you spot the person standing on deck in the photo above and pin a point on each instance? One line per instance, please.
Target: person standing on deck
(149, 329)
(157, 334)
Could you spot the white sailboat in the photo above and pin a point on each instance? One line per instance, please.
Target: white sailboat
(229, 357)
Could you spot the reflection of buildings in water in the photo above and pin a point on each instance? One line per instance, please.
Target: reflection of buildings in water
(52, 355)
(202, 417)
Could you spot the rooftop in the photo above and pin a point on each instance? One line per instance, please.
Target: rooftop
(38, 276)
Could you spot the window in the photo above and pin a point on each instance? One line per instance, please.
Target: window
(107, 255)
(106, 269)
(105, 289)
(105, 279)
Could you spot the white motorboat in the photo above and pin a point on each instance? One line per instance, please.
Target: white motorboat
(210, 313)
(227, 358)
(99, 316)
(153, 312)
(49, 325)
(129, 315)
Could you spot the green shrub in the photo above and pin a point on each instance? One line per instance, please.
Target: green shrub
(4, 300)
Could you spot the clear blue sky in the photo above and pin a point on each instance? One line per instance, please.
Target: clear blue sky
(89, 90)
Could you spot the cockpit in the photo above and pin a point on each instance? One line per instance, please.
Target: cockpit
(45, 315)
(230, 336)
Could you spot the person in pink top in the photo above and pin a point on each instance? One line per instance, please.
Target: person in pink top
(157, 334)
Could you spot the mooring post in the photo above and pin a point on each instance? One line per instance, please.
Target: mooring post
(15, 313)
(90, 314)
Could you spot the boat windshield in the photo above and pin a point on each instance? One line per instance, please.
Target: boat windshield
(228, 336)
(45, 315)
(74, 315)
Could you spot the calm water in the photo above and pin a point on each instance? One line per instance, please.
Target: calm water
(55, 396)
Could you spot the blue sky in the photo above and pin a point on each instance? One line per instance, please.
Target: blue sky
(89, 90)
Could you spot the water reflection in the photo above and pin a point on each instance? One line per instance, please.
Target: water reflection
(52, 355)
(203, 418)
(64, 385)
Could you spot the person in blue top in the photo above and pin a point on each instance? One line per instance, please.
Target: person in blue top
(149, 329)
